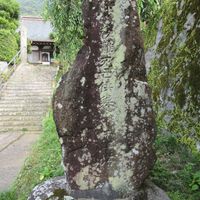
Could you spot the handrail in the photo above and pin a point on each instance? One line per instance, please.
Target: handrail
(14, 59)
(10, 70)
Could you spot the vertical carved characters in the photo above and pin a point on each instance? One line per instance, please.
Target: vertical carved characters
(102, 106)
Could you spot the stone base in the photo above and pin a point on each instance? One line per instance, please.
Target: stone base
(55, 189)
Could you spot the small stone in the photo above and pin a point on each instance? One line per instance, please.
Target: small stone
(68, 198)
(54, 189)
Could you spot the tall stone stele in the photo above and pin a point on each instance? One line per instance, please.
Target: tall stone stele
(102, 107)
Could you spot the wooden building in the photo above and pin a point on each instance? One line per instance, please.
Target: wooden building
(40, 46)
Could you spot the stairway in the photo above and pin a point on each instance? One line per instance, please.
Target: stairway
(24, 102)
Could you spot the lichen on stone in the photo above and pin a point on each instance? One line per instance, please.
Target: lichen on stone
(106, 103)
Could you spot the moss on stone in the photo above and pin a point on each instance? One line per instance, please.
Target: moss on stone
(175, 71)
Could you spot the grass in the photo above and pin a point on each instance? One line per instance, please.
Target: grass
(177, 169)
(43, 163)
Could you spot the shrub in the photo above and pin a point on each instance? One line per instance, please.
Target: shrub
(8, 45)
(11, 7)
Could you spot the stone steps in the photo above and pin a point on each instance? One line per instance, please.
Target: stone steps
(25, 96)
(24, 129)
(27, 91)
(24, 111)
(20, 132)
(35, 97)
(21, 105)
(24, 101)
(21, 85)
(20, 118)
(20, 123)
(27, 88)
(25, 84)
(31, 113)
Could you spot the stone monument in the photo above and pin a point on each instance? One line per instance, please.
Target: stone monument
(102, 107)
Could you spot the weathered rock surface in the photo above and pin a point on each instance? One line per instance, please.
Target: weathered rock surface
(102, 107)
(175, 54)
(51, 189)
(55, 189)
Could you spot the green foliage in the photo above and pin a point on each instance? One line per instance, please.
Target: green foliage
(8, 45)
(29, 50)
(175, 72)
(9, 9)
(173, 78)
(179, 52)
(177, 168)
(9, 13)
(66, 18)
(4, 77)
(195, 185)
(5, 24)
(8, 196)
(149, 12)
(176, 196)
(148, 9)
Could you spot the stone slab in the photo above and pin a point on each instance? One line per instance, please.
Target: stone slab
(56, 188)
(8, 138)
(12, 159)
